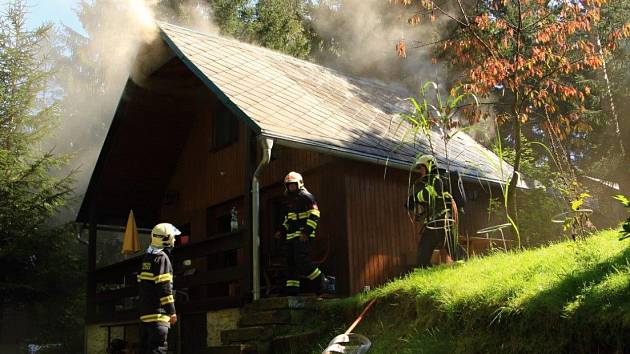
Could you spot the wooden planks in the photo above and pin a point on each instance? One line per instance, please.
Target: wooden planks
(205, 177)
(380, 234)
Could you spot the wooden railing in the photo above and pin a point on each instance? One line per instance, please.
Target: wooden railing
(200, 285)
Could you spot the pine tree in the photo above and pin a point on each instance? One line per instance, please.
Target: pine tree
(41, 265)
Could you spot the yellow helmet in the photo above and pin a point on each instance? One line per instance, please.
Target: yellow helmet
(294, 177)
(426, 160)
(163, 235)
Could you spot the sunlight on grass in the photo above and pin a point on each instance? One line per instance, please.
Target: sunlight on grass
(570, 296)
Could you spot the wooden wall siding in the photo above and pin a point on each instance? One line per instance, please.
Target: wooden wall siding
(381, 237)
(138, 157)
(285, 160)
(334, 223)
(205, 177)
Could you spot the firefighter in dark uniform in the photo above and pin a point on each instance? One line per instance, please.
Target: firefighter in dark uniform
(157, 303)
(298, 229)
(432, 203)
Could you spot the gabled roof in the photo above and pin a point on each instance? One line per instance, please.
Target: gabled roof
(299, 102)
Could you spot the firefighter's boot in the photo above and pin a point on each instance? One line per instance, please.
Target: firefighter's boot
(323, 285)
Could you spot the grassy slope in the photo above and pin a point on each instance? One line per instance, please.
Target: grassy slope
(567, 297)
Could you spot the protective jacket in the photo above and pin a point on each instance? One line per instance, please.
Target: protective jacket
(430, 197)
(157, 303)
(302, 215)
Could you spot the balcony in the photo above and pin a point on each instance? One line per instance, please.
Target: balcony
(208, 275)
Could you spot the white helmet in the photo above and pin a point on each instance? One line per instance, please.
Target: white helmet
(294, 177)
(427, 160)
(163, 235)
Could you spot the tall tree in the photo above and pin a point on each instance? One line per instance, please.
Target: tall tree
(279, 25)
(40, 270)
(527, 52)
(609, 160)
(235, 17)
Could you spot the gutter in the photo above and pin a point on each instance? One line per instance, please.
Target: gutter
(266, 144)
(375, 159)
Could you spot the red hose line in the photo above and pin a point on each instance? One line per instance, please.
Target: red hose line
(356, 322)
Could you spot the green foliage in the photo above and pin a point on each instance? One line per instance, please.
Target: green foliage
(625, 227)
(577, 203)
(275, 24)
(432, 110)
(41, 264)
(279, 26)
(536, 206)
(235, 17)
(565, 298)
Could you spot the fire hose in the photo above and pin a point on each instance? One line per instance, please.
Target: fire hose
(349, 342)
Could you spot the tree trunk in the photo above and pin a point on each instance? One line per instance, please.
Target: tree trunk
(611, 101)
(511, 196)
(511, 193)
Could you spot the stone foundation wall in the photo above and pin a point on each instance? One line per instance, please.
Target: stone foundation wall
(96, 339)
(218, 321)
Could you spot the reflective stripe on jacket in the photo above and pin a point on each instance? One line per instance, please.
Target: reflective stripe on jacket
(157, 302)
(302, 215)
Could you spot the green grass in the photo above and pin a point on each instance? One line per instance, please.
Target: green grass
(570, 297)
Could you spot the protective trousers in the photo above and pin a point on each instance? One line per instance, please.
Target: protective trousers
(299, 264)
(154, 337)
(431, 239)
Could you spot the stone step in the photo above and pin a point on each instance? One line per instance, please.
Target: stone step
(259, 318)
(293, 343)
(246, 334)
(233, 349)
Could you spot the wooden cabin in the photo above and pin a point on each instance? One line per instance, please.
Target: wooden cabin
(191, 130)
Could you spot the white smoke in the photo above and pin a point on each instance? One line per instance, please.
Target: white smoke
(93, 71)
(369, 31)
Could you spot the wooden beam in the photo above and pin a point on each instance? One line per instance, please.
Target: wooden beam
(92, 242)
(220, 243)
(91, 281)
(213, 277)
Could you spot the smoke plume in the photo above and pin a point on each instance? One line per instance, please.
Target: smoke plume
(367, 33)
(93, 70)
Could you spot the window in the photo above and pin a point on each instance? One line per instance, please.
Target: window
(224, 127)
(219, 217)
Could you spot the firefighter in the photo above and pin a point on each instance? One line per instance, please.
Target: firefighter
(157, 303)
(298, 229)
(432, 203)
